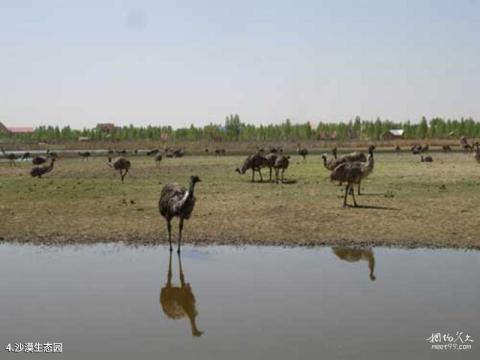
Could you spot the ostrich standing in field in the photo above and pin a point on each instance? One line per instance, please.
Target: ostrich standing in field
(153, 152)
(121, 164)
(255, 162)
(426, 159)
(354, 255)
(38, 171)
(303, 152)
(281, 163)
(51, 154)
(85, 155)
(178, 301)
(353, 173)
(39, 160)
(220, 151)
(398, 150)
(10, 157)
(26, 156)
(177, 201)
(158, 159)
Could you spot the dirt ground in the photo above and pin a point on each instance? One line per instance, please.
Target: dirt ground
(406, 203)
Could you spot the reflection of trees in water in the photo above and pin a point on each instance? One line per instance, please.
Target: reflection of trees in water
(179, 301)
(353, 255)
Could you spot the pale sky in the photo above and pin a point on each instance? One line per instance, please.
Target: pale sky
(180, 62)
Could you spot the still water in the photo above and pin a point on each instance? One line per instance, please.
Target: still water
(120, 302)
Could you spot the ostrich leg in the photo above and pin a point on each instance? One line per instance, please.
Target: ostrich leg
(283, 170)
(253, 175)
(169, 280)
(359, 188)
(169, 228)
(347, 188)
(180, 228)
(353, 196)
(261, 177)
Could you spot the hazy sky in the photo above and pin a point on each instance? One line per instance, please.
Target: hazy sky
(181, 62)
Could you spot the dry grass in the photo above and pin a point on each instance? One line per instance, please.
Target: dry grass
(407, 203)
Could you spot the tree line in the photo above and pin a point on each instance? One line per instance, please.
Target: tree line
(233, 129)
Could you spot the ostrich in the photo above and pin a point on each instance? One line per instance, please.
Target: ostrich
(26, 156)
(158, 158)
(398, 149)
(177, 201)
(281, 163)
(38, 171)
(332, 163)
(39, 160)
(51, 154)
(477, 152)
(353, 173)
(85, 155)
(353, 255)
(10, 157)
(426, 159)
(465, 145)
(303, 152)
(220, 151)
(255, 162)
(446, 148)
(416, 149)
(153, 152)
(178, 153)
(271, 158)
(121, 164)
(178, 301)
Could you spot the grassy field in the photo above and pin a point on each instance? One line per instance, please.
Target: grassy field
(406, 203)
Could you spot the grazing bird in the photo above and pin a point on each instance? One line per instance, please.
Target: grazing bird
(38, 171)
(220, 151)
(398, 149)
(177, 201)
(353, 173)
(416, 149)
(255, 162)
(426, 159)
(51, 154)
(477, 152)
(465, 145)
(39, 160)
(281, 163)
(26, 156)
(178, 153)
(303, 152)
(271, 158)
(85, 154)
(332, 163)
(446, 148)
(354, 255)
(121, 164)
(179, 301)
(10, 157)
(158, 158)
(153, 152)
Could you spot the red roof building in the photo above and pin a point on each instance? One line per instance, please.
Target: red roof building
(16, 129)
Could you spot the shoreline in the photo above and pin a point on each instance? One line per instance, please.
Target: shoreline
(406, 244)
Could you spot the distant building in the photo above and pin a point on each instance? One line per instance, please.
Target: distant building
(393, 134)
(107, 127)
(327, 135)
(15, 130)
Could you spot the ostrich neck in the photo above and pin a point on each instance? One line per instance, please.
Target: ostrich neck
(191, 188)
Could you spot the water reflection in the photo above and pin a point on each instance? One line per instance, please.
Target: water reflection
(179, 301)
(353, 255)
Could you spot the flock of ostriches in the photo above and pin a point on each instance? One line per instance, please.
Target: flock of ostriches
(179, 201)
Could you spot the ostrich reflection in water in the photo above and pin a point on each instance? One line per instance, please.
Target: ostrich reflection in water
(179, 301)
(353, 255)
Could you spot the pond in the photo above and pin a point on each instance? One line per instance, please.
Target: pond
(117, 302)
